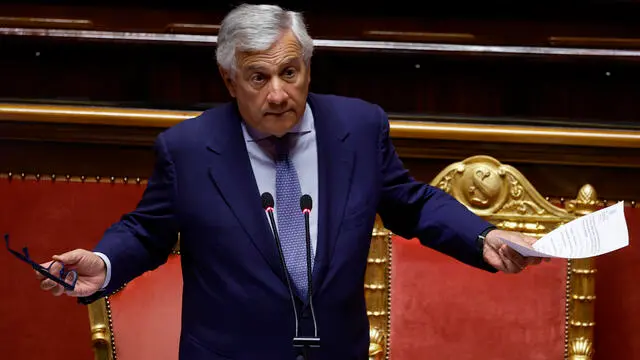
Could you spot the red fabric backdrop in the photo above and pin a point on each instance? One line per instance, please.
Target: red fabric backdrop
(444, 310)
(617, 333)
(441, 309)
(49, 218)
(146, 314)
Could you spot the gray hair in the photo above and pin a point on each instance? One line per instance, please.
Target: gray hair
(251, 28)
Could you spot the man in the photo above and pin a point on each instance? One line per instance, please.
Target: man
(277, 138)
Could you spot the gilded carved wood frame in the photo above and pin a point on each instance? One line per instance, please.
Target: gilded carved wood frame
(503, 196)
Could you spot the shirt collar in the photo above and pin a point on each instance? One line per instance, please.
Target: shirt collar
(304, 126)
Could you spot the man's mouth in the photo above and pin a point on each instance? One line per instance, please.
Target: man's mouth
(277, 113)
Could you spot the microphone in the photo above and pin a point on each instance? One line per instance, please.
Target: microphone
(267, 205)
(305, 205)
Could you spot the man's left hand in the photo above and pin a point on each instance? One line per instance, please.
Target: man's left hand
(499, 255)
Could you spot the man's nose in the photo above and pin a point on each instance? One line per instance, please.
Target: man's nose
(277, 94)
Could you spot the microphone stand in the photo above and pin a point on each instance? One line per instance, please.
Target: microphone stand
(268, 203)
(303, 342)
(308, 342)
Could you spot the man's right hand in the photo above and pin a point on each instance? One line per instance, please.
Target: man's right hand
(91, 270)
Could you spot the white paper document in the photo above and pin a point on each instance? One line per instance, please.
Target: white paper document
(591, 235)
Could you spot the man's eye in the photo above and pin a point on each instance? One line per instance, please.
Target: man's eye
(257, 78)
(289, 73)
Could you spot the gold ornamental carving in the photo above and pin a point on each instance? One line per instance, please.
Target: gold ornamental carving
(378, 292)
(376, 344)
(580, 349)
(586, 201)
(503, 196)
(490, 188)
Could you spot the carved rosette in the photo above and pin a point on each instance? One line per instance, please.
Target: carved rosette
(581, 349)
(376, 344)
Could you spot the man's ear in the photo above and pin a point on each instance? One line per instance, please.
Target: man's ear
(228, 81)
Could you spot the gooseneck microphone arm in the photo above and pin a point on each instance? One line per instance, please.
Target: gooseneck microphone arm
(306, 204)
(268, 204)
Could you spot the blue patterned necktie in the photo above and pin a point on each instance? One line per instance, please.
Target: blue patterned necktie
(290, 218)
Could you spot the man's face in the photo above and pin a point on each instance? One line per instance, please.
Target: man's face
(271, 86)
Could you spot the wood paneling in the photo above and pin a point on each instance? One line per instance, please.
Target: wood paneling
(94, 141)
(531, 78)
(182, 77)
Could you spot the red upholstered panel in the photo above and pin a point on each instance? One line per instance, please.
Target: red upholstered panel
(50, 218)
(617, 333)
(146, 314)
(442, 309)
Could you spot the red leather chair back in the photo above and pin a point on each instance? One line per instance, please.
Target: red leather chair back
(442, 309)
(146, 314)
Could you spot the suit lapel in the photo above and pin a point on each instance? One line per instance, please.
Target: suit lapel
(335, 165)
(231, 172)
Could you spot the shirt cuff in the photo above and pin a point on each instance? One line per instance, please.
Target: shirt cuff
(108, 266)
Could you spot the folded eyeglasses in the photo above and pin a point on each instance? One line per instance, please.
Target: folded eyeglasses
(65, 278)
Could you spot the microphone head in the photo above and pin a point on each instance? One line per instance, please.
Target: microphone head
(305, 203)
(267, 201)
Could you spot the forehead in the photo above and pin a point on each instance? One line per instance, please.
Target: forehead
(285, 50)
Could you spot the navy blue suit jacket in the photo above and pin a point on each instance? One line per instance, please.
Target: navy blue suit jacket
(235, 302)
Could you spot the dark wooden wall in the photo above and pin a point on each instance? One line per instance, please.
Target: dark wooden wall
(563, 89)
